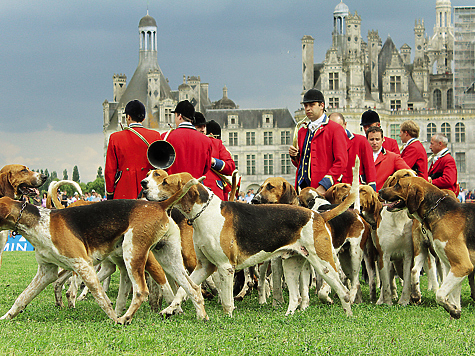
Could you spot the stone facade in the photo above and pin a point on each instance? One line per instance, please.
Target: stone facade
(356, 75)
(258, 139)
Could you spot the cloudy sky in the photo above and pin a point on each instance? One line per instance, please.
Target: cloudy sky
(58, 58)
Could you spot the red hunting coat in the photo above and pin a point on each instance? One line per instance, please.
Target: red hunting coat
(359, 145)
(386, 164)
(390, 144)
(193, 151)
(416, 157)
(225, 165)
(444, 173)
(127, 163)
(328, 154)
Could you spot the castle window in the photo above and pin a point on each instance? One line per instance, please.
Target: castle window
(233, 139)
(168, 115)
(334, 103)
(232, 119)
(251, 164)
(437, 99)
(460, 162)
(431, 131)
(268, 163)
(268, 138)
(285, 163)
(394, 131)
(267, 120)
(236, 161)
(395, 84)
(445, 129)
(395, 104)
(250, 138)
(285, 137)
(333, 81)
(459, 132)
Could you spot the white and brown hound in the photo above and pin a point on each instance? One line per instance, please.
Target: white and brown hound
(230, 236)
(79, 237)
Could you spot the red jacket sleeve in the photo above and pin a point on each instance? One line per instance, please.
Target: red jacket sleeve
(399, 163)
(225, 156)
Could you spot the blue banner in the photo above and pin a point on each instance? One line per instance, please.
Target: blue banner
(17, 243)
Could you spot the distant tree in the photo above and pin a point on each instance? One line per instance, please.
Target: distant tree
(98, 185)
(65, 174)
(99, 172)
(54, 175)
(76, 174)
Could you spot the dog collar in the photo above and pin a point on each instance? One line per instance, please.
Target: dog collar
(14, 231)
(430, 210)
(192, 220)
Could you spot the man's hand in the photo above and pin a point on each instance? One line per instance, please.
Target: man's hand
(293, 152)
(321, 191)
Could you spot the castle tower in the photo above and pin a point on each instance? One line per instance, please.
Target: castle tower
(119, 85)
(307, 63)
(339, 28)
(374, 46)
(406, 53)
(355, 74)
(419, 31)
(441, 44)
(147, 84)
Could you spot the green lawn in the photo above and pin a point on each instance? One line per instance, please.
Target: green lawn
(321, 330)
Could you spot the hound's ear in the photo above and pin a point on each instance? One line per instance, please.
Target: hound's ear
(329, 194)
(288, 194)
(414, 198)
(4, 210)
(389, 182)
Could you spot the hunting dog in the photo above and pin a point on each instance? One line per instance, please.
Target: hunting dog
(79, 237)
(230, 236)
(17, 180)
(276, 190)
(350, 233)
(449, 225)
(392, 238)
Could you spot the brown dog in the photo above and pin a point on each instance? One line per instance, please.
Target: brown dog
(449, 226)
(78, 237)
(17, 180)
(348, 230)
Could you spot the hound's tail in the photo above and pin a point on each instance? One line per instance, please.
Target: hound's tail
(52, 197)
(235, 186)
(168, 204)
(353, 197)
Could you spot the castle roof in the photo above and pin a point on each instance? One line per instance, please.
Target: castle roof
(251, 118)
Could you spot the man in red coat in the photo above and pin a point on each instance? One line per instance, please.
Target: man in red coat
(222, 164)
(443, 170)
(321, 157)
(413, 152)
(126, 159)
(386, 162)
(357, 145)
(192, 149)
(371, 118)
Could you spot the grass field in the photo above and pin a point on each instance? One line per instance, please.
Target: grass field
(321, 330)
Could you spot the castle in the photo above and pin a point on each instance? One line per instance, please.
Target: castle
(258, 139)
(356, 75)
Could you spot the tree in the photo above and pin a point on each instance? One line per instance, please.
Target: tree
(65, 174)
(99, 172)
(76, 174)
(98, 185)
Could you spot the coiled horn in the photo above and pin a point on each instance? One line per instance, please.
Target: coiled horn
(161, 154)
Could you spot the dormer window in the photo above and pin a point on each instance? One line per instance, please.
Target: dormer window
(267, 120)
(232, 121)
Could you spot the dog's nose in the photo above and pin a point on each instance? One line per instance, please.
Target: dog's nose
(256, 200)
(144, 184)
